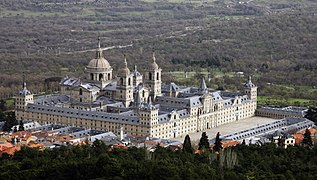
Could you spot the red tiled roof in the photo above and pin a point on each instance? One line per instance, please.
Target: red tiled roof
(311, 130)
(229, 143)
(298, 138)
(5, 146)
(120, 146)
(11, 150)
(198, 151)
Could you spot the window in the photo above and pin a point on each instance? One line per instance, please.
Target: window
(100, 77)
(91, 76)
(157, 76)
(121, 81)
(150, 76)
(80, 91)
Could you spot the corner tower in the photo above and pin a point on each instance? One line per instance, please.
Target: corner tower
(22, 99)
(153, 78)
(124, 89)
(250, 89)
(148, 115)
(99, 70)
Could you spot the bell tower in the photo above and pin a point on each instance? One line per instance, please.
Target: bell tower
(124, 89)
(153, 78)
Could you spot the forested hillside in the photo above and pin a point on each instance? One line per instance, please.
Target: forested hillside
(273, 40)
(98, 161)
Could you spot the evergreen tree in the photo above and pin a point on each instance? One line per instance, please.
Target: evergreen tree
(15, 129)
(312, 114)
(187, 145)
(21, 127)
(10, 121)
(243, 142)
(204, 142)
(218, 144)
(307, 138)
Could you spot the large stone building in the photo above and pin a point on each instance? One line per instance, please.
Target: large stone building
(140, 105)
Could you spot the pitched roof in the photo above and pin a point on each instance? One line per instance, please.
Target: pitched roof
(229, 143)
(298, 138)
(311, 130)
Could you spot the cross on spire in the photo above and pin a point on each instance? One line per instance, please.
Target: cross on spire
(99, 50)
(125, 61)
(153, 56)
(24, 83)
(98, 41)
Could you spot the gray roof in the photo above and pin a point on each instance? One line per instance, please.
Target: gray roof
(68, 81)
(24, 91)
(111, 86)
(249, 84)
(287, 110)
(90, 115)
(52, 99)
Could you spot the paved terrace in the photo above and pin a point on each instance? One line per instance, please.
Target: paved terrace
(229, 128)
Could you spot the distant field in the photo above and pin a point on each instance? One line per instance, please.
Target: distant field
(181, 75)
(280, 101)
(10, 103)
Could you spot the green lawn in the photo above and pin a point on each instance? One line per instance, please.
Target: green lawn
(280, 101)
(10, 103)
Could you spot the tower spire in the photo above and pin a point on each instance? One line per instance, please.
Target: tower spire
(153, 57)
(98, 41)
(24, 83)
(99, 50)
(202, 85)
(125, 61)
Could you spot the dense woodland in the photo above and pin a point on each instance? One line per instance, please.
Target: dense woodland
(98, 161)
(275, 41)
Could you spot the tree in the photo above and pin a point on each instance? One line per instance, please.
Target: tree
(218, 144)
(203, 142)
(187, 145)
(10, 121)
(21, 127)
(307, 138)
(243, 142)
(312, 114)
(15, 129)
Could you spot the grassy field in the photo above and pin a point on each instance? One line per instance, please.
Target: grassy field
(280, 101)
(180, 75)
(10, 103)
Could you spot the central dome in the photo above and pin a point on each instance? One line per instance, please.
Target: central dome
(99, 62)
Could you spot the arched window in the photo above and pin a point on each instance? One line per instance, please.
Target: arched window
(80, 92)
(121, 81)
(143, 93)
(108, 76)
(129, 81)
(91, 76)
(157, 76)
(100, 77)
(150, 76)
